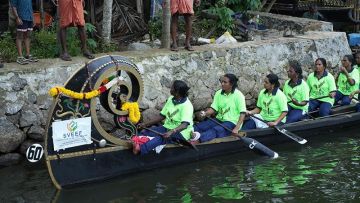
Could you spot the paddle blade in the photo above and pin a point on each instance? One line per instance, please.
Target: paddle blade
(291, 135)
(255, 145)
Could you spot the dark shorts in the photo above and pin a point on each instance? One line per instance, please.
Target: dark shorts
(26, 26)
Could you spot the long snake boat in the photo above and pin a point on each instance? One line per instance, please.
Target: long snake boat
(80, 148)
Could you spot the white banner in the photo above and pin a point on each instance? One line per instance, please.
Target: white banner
(71, 133)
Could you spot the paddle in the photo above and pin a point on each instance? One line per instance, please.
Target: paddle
(183, 142)
(251, 143)
(283, 131)
(322, 97)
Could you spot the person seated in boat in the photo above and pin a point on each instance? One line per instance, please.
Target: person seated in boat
(352, 94)
(322, 88)
(347, 81)
(230, 108)
(177, 115)
(297, 93)
(271, 106)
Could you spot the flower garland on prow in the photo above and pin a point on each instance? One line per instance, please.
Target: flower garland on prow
(133, 109)
(107, 83)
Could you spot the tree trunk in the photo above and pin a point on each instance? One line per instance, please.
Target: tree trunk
(106, 24)
(165, 36)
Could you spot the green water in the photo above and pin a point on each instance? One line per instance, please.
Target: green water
(324, 170)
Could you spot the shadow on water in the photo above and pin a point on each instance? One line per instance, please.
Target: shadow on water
(325, 170)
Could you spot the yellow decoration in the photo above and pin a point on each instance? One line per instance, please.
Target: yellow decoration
(75, 95)
(134, 111)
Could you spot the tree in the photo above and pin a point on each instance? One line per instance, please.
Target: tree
(165, 36)
(106, 23)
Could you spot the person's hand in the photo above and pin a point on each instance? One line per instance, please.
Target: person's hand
(197, 3)
(332, 94)
(249, 113)
(342, 69)
(235, 131)
(168, 133)
(271, 124)
(19, 21)
(352, 94)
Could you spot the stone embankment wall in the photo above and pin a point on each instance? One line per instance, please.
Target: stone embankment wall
(24, 102)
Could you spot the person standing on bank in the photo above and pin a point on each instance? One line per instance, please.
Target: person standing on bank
(297, 93)
(71, 13)
(347, 81)
(23, 12)
(184, 8)
(322, 85)
(230, 108)
(271, 105)
(178, 115)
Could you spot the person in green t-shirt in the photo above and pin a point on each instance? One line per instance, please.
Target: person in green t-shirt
(178, 116)
(230, 108)
(322, 88)
(271, 105)
(347, 81)
(297, 93)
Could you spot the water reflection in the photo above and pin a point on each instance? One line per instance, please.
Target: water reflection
(318, 172)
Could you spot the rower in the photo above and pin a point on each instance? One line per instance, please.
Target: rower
(297, 93)
(322, 88)
(178, 115)
(271, 106)
(347, 81)
(229, 106)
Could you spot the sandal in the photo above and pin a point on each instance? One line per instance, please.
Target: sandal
(189, 48)
(174, 48)
(31, 58)
(65, 57)
(22, 61)
(88, 55)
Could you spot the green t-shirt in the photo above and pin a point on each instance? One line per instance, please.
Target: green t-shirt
(322, 87)
(176, 114)
(343, 84)
(272, 104)
(300, 92)
(229, 106)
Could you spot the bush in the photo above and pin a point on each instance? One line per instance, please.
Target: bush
(8, 51)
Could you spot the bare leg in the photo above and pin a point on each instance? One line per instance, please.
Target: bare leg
(188, 31)
(19, 40)
(27, 42)
(174, 24)
(82, 35)
(64, 55)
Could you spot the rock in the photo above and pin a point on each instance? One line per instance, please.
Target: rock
(27, 143)
(37, 133)
(165, 81)
(137, 46)
(31, 97)
(201, 103)
(143, 105)
(44, 102)
(13, 108)
(10, 159)
(10, 136)
(18, 83)
(106, 119)
(149, 114)
(28, 118)
(14, 118)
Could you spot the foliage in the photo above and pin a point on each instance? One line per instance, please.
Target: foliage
(8, 50)
(44, 44)
(155, 27)
(224, 9)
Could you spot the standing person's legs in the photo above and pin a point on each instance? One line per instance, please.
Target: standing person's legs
(64, 55)
(82, 35)
(173, 31)
(19, 40)
(188, 31)
(27, 42)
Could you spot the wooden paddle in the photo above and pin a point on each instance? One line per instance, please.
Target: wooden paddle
(283, 131)
(183, 142)
(251, 143)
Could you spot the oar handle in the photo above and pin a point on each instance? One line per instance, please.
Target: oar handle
(322, 97)
(262, 120)
(154, 131)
